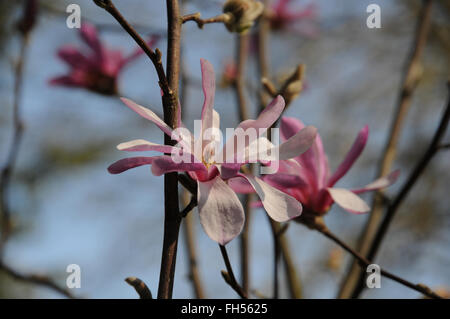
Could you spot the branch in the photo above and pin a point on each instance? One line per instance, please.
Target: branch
(363, 263)
(172, 217)
(228, 275)
(264, 70)
(18, 127)
(140, 287)
(35, 279)
(155, 56)
(190, 206)
(392, 209)
(410, 81)
(222, 18)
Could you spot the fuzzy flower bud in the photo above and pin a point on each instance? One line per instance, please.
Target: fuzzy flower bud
(242, 14)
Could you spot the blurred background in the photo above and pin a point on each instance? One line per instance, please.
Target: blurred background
(67, 209)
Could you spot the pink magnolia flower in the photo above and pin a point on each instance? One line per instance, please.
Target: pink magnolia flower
(306, 177)
(282, 16)
(98, 69)
(221, 213)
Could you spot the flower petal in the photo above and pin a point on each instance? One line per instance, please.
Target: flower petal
(282, 180)
(143, 146)
(148, 114)
(298, 143)
(348, 200)
(89, 35)
(267, 117)
(164, 164)
(382, 182)
(128, 163)
(221, 213)
(240, 185)
(290, 126)
(209, 88)
(278, 205)
(351, 156)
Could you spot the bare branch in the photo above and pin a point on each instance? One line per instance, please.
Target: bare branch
(140, 287)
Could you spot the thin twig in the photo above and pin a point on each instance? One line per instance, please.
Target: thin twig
(276, 255)
(188, 224)
(190, 206)
(155, 56)
(392, 209)
(18, 127)
(194, 275)
(35, 279)
(410, 81)
(364, 262)
(292, 276)
(239, 89)
(222, 18)
(228, 275)
(140, 287)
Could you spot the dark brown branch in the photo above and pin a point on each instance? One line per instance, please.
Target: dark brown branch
(392, 209)
(410, 81)
(35, 279)
(155, 56)
(172, 217)
(364, 262)
(140, 287)
(190, 206)
(228, 275)
(222, 18)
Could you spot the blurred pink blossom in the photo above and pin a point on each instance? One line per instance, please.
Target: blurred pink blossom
(284, 17)
(96, 69)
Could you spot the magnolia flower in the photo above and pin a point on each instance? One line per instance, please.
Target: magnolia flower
(221, 213)
(306, 177)
(96, 70)
(283, 17)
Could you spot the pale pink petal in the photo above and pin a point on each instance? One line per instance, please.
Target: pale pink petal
(283, 181)
(267, 117)
(209, 88)
(278, 205)
(382, 182)
(265, 120)
(351, 156)
(221, 213)
(164, 164)
(143, 146)
(298, 143)
(348, 200)
(240, 185)
(128, 163)
(148, 114)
